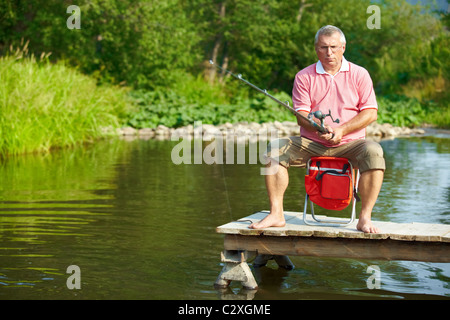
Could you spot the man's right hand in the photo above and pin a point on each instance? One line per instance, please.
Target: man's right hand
(334, 136)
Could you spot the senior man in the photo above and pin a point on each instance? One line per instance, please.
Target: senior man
(346, 89)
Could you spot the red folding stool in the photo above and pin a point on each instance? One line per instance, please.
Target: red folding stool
(331, 183)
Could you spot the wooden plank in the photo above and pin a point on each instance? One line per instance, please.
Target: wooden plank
(295, 227)
(381, 249)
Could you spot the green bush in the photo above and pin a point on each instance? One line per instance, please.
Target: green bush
(403, 111)
(172, 109)
(206, 103)
(400, 111)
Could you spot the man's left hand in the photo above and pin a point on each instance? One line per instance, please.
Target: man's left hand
(334, 136)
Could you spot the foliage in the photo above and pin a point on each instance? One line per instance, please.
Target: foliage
(160, 50)
(43, 105)
(148, 44)
(139, 43)
(400, 111)
(174, 110)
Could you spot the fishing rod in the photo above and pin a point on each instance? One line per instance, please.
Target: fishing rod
(317, 114)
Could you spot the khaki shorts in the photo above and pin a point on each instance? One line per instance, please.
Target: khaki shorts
(296, 151)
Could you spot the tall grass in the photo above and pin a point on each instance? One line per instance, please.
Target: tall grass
(44, 105)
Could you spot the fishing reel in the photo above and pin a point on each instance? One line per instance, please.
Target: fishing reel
(319, 115)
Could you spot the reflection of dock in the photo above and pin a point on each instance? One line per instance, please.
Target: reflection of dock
(396, 241)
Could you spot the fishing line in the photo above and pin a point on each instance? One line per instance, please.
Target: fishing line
(226, 190)
(227, 197)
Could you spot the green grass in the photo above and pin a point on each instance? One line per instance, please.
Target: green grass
(45, 106)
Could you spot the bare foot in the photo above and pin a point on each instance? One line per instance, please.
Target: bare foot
(272, 220)
(366, 226)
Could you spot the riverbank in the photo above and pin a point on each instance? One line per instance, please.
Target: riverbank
(44, 106)
(49, 106)
(244, 131)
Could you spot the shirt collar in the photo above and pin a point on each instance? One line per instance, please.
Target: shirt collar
(344, 66)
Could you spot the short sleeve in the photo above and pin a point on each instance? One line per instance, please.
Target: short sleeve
(301, 97)
(367, 98)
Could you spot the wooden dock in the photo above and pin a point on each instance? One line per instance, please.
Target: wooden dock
(396, 241)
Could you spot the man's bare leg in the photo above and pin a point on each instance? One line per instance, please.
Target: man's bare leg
(276, 184)
(369, 188)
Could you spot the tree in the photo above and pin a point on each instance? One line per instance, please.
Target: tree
(157, 44)
(143, 44)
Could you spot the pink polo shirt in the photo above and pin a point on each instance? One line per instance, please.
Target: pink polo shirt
(346, 93)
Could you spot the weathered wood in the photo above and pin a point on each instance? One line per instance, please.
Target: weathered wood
(396, 241)
(384, 249)
(424, 232)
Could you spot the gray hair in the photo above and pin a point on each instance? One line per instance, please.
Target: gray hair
(328, 31)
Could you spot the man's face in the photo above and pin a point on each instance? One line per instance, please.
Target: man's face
(330, 50)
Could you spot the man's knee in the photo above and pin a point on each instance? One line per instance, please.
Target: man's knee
(373, 149)
(281, 151)
(371, 157)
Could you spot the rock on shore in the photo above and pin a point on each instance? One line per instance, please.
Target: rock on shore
(245, 131)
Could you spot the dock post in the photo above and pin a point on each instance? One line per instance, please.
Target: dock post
(235, 269)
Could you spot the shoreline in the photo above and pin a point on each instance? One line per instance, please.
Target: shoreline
(244, 131)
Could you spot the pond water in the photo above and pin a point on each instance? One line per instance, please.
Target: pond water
(139, 226)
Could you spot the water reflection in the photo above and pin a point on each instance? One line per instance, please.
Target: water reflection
(417, 182)
(141, 227)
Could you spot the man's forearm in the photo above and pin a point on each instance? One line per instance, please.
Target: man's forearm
(360, 121)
